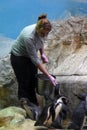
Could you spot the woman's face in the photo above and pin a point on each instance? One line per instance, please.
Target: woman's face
(43, 33)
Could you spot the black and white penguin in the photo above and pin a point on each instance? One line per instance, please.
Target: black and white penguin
(32, 110)
(79, 113)
(51, 112)
(53, 96)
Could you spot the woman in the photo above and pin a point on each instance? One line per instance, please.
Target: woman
(25, 61)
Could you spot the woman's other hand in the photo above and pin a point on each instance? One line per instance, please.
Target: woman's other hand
(44, 58)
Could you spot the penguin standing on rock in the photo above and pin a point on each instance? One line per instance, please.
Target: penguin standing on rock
(51, 112)
(31, 109)
(79, 113)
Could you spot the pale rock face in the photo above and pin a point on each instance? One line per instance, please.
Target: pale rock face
(66, 48)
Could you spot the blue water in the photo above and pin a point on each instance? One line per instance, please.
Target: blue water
(15, 14)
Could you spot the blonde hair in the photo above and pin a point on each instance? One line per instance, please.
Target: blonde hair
(43, 23)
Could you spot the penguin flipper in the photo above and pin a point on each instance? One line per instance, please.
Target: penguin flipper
(42, 117)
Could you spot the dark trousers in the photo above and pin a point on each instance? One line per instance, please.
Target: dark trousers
(25, 72)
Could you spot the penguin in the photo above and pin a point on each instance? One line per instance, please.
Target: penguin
(79, 113)
(49, 98)
(51, 112)
(32, 110)
(57, 124)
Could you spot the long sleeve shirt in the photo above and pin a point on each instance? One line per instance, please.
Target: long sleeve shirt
(28, 43)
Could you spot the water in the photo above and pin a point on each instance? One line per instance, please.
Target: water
(14, 15)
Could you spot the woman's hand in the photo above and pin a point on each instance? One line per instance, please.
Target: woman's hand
(53, 80)
(44, 58)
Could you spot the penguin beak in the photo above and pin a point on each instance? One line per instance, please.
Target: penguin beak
(65, 100)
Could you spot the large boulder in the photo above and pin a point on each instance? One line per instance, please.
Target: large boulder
(66, 48)
(13, 118)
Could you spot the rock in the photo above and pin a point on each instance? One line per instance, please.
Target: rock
(13, 118)
(8, 84)
(66, 48)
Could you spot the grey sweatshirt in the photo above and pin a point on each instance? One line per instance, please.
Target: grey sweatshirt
(28, 43)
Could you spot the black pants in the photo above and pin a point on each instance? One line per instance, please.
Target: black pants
(25, 72)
